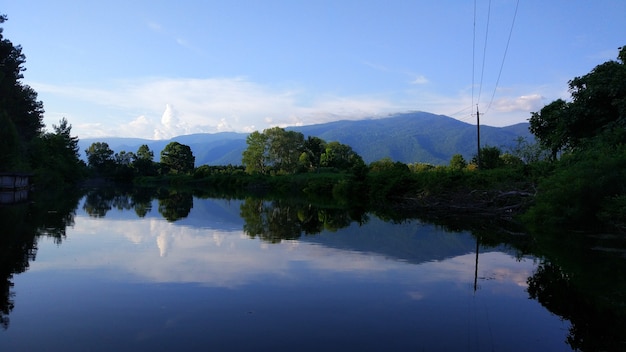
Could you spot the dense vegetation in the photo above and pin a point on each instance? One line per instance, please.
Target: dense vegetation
(26, 146)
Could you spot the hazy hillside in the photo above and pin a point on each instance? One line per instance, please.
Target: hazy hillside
(409, 137)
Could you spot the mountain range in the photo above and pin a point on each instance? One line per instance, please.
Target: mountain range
(414, 137)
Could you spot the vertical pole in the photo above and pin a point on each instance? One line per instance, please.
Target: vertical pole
(476, 267)
(478, 137)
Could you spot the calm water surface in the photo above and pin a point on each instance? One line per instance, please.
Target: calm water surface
(214, 279)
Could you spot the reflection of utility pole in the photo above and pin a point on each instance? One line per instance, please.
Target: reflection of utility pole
(476, 268)
(478, 136)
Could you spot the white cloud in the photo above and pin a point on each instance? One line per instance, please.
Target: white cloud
(201, 105)
(420, 80)
(161, 108)
(531, 102)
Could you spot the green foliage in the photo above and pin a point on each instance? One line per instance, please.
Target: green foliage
(279, 152)
(489, 158)
(458, 162)
(100, 158)
(587, 185)
(511, 160)
(21, 114)
(342, 157)
(143, 163)
(55, 156)
(420, 167)
(584, 187)
(255, 157)
(177, 158)
(598, 105)
(387, 179)
(9, 143)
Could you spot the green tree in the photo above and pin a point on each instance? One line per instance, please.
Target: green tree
(20, 111)
(143, 161)
(124, 158)
(284, 149)
(312, 150)
(177, 158)
(255, 157)
(9, 143)
(100, 158)
(489, 158)
(56, 155)
(598, 106)
(342, 157)
(550, 127)
(457, 162)
(144, 153)
(274, 150)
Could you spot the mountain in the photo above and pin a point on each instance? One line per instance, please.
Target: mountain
(408, 137)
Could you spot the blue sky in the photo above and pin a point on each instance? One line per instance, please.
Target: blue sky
(156, 69)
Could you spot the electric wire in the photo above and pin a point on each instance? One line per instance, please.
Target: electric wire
(506, 49)
(474, 54)
(482, 73)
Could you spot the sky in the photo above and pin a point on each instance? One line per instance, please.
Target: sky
(158, 69)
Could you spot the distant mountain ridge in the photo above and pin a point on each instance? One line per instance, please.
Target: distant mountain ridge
(407, 137)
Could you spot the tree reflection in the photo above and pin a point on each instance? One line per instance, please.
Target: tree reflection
(597, 323)
(22, 225)
(277, 220)
(175, 205)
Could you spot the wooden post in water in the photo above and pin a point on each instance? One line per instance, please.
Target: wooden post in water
(477, 137)
(476, 267)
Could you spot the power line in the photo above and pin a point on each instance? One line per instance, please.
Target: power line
(482, 73)
(506, 49)
(473, 53)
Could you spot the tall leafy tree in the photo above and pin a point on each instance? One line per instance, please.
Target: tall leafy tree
(20, 110)
(100, 157)
(177, 158)
(9, 143)
(143, 161)
(56, 155)
(598, 106)
(312, 150)
(284, 149)
(341, 156)
(255, 157)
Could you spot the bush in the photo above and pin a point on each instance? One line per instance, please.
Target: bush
(583, 189)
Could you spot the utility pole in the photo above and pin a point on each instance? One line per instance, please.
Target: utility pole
(478, 136)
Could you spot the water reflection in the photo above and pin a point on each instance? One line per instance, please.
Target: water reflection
(173, 204)
(241, 243)
(277, 220)
(48, 215)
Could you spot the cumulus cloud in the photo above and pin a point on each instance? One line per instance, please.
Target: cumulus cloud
(531, 102)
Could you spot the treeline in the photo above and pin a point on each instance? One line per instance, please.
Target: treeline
(26, 146)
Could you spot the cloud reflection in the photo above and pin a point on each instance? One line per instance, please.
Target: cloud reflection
(154, 250)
